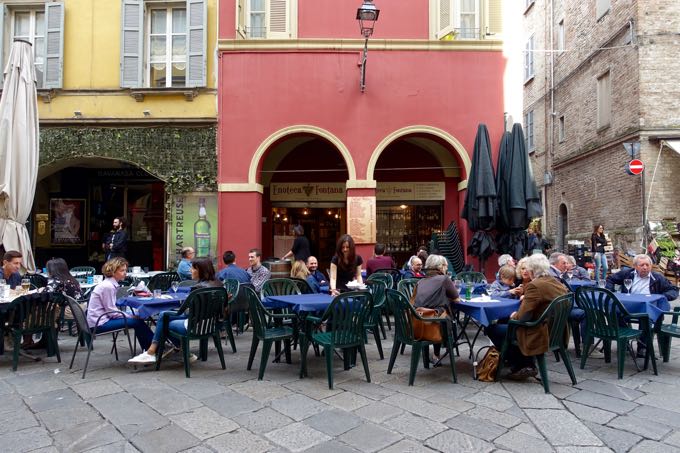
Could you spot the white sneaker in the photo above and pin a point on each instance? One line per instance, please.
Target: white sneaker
(192, 358)
(143, 358)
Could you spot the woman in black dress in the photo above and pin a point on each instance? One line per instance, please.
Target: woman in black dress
(345, 265)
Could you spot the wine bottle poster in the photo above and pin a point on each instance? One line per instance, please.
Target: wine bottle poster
(193, 223)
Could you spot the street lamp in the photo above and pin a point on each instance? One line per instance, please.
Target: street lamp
(367, 14)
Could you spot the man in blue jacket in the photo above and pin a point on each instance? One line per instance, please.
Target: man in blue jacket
(644, 282)
(232, 270)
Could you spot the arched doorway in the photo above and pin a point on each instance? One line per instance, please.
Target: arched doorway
(304, 177)
(418, 178)
(95, 191)
(562, 227)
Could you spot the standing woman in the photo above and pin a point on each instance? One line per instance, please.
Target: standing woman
(345, 265)
(598, 242)
(300, 249)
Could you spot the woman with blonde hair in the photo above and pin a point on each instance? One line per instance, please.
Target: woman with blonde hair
(299, 270)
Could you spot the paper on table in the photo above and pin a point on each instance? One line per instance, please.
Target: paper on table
(483, 298)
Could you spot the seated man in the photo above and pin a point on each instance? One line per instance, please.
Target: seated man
(644, 282)
(414, 268)
(257, 272)
(184, 267)
(576, 271)
(316, 279)
(505, 285)
(379, 261)
(11, 264)
(232, 270)
(558, 264)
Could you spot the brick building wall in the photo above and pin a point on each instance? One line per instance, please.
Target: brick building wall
(637, 45)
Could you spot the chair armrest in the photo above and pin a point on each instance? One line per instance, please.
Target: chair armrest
(518, 323)
(636, 316)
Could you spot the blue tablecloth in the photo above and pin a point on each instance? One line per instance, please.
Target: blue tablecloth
(653, 304)
(478, 288)
(307, 303)
(576, 283)
(149, 306)
(488, 312)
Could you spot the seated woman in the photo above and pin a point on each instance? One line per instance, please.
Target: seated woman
(538, 293)
(299, 270)
(436, 290)
(102, 312)
(203, 272)
(505, 285)
(414, 268)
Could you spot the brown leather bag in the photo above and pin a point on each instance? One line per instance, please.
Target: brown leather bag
(486, 369)
(427, 331)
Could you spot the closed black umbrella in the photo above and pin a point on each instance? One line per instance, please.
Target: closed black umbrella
(479, 208)
(503, 184)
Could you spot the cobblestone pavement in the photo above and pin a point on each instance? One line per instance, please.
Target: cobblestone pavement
(46, 407)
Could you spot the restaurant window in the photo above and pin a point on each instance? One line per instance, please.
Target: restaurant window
(262, 19)
(529, 130)
(163, 44)
(560, 129)
(405, 226)
(459, 19)
(529, 59)
(604, 100)
(42, 26)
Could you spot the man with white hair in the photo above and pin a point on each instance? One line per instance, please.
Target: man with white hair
(576, 271)
(506, 259)
(531, 341)
(558, 264)
(645, 281)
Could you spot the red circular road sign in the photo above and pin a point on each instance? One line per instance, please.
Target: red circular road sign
(636, 166)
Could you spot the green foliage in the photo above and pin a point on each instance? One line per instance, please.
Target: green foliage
(184, 158)
(667, 246)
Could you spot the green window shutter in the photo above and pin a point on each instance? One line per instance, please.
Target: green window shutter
(54, 45)
(131, 43)
(278, 19)
(197, 13)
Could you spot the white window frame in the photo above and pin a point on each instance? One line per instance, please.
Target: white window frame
(529, 59)
(451, 26)
(283, 28)
(529, 131)
(561, 132)
(52, 58)
(528, 4)
(38, 60)
(169, 34)
(604, 100)
(561, 37)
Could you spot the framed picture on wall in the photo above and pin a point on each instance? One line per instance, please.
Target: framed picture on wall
(67, 226)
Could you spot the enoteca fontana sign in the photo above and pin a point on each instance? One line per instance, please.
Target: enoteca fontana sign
(335, 191)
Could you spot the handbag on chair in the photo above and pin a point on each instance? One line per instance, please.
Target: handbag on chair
(427, 331)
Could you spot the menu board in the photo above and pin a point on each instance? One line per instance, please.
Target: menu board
(361, 219)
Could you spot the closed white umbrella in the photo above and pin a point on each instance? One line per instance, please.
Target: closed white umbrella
(18, 150)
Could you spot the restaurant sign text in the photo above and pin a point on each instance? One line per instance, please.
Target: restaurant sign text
(335, 191)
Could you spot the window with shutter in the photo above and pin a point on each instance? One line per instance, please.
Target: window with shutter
(261, 19)
(455, 19)
(529, 130)
(163, 44)
(42, 26)
(529, 59)
(494, 18)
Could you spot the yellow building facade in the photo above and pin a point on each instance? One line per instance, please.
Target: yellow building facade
(127, 109)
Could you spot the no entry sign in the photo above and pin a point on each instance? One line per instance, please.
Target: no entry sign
(635, 167)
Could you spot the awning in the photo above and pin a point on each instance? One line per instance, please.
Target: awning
(673, 144)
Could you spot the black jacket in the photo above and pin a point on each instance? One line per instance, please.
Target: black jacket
(658, 283)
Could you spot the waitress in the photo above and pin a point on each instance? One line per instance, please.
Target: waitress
(345, 265)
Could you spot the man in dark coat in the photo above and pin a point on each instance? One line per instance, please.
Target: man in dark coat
(644, 280)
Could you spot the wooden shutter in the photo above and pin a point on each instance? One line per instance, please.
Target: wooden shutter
(494, 18)
(444, 18)
(54, 45)
(241, 18)
(197, 12)
(131, 43)
(278, 19)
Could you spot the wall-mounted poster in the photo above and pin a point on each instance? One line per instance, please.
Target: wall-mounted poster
(67, 227)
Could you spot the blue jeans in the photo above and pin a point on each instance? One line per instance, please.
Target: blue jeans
(176, 324)
(600, 263)
(142, 331)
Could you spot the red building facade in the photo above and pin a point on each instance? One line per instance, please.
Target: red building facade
(298, 142)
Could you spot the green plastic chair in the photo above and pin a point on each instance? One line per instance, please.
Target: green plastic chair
(374, 321)
(262, 331)
(407, 286)
(302, 285)
(345, 318)
(394, 272)
(605, 315)
(557, 317)
(279, 287)
(666, 332)
(404, 313)
(232, 287)
(471, 277)
(163, 281)
(35, 313)
(205, 307)
(388, 280)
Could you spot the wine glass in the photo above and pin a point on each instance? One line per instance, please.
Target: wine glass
(458, 284)
(25, 285)
(174, 286)
(628, 283)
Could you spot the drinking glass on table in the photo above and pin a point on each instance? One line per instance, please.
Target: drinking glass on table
(25, 285)
(174, 286)
(628, 283)
(157, 293)
(458, 284)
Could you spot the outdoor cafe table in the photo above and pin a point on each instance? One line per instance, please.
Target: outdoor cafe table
(147, 307)
(299, 303)
(652, 304)
(575, 283)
